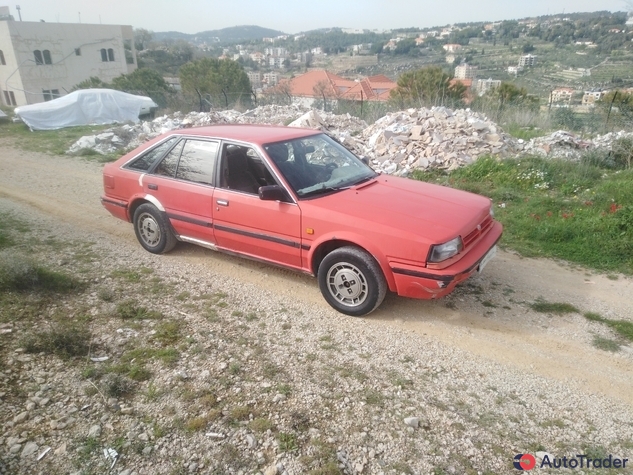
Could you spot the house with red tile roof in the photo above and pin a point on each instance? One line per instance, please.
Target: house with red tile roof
(321, 85)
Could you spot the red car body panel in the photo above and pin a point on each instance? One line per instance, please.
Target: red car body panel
(396, 220)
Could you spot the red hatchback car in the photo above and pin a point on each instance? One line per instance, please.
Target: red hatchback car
(299, 199)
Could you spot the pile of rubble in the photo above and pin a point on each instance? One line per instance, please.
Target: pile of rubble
(395, 144)
(430, 138)
(129, 136)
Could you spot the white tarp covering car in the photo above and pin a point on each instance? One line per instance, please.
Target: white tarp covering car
(85, 107)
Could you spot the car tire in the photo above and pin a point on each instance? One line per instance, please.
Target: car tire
(153, 230)
(351, 281)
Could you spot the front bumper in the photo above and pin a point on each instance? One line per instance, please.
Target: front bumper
(423, 283)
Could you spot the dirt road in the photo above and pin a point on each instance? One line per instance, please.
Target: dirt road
(488, 317)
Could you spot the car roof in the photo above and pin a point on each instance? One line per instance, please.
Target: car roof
(256, 134)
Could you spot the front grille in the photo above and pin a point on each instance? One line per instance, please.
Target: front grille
(480, 230)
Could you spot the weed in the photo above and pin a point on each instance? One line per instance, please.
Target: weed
(286, 326)
(182, 296)
(623, 327)
(287, 442)
(488, 303)
(271, 370)
(167, 332)
(261, 424)
(130, 310)
(196, 424)
(605, 344)
(239, 413)
(235, 368)
(153, 394)
(128, 275)
(21, 274)
(553, 307)
(116, 385)
(373, 397)
(107, 295)
(284, 389)
(64, 339)
(87, 449)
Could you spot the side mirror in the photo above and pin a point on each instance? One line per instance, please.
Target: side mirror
(272, 193)
(364, 159)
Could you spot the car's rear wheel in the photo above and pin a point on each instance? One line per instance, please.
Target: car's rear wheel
(152, 229)
(351, 281)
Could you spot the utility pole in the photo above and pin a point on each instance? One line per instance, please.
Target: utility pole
(17, 7)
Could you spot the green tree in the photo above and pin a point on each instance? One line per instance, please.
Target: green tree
(144, 82)
(216, 82)
(429, 86)
(142, 38)
(91, 83)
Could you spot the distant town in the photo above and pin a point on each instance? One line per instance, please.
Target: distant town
(562, 61)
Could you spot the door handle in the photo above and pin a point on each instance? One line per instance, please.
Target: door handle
(222, 202)
(152, 186)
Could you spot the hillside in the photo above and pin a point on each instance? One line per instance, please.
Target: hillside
(225, 35)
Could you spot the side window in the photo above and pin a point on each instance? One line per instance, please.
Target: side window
(197, 161)
(145, 161)
(242, 169)
(169, 164)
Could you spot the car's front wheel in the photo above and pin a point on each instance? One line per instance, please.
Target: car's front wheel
(351, 281)
(152, 229)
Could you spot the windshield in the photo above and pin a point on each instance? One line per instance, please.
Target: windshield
(317, 165)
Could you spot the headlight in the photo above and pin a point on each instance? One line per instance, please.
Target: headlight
(441, 252)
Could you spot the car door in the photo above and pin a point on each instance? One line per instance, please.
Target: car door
(244, 223)
(183, 184)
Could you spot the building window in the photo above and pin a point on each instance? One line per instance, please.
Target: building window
(38, 57)
(47, 57)
(9, 98)
(77, 51)
(50, 94)
(107, 55)
(2, 61)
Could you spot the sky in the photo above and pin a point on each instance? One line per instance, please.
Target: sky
(294, 16)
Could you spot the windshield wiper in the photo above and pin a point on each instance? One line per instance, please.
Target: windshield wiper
(363, 180)
(322, 190)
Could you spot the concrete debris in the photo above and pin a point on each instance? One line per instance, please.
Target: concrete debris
(424, 138)
(397, 143)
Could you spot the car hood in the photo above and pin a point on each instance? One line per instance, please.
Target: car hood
(437, 212)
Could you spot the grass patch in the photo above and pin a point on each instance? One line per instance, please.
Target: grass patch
(117, 385)
(624, 328)
(556, 208)
(141, 355)
(168, 332)
(63, 339)
(130, 310)
(287, 442)
(54, 142)
(557, 308)
(605, 344)
(22, 274)
(261, 424)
